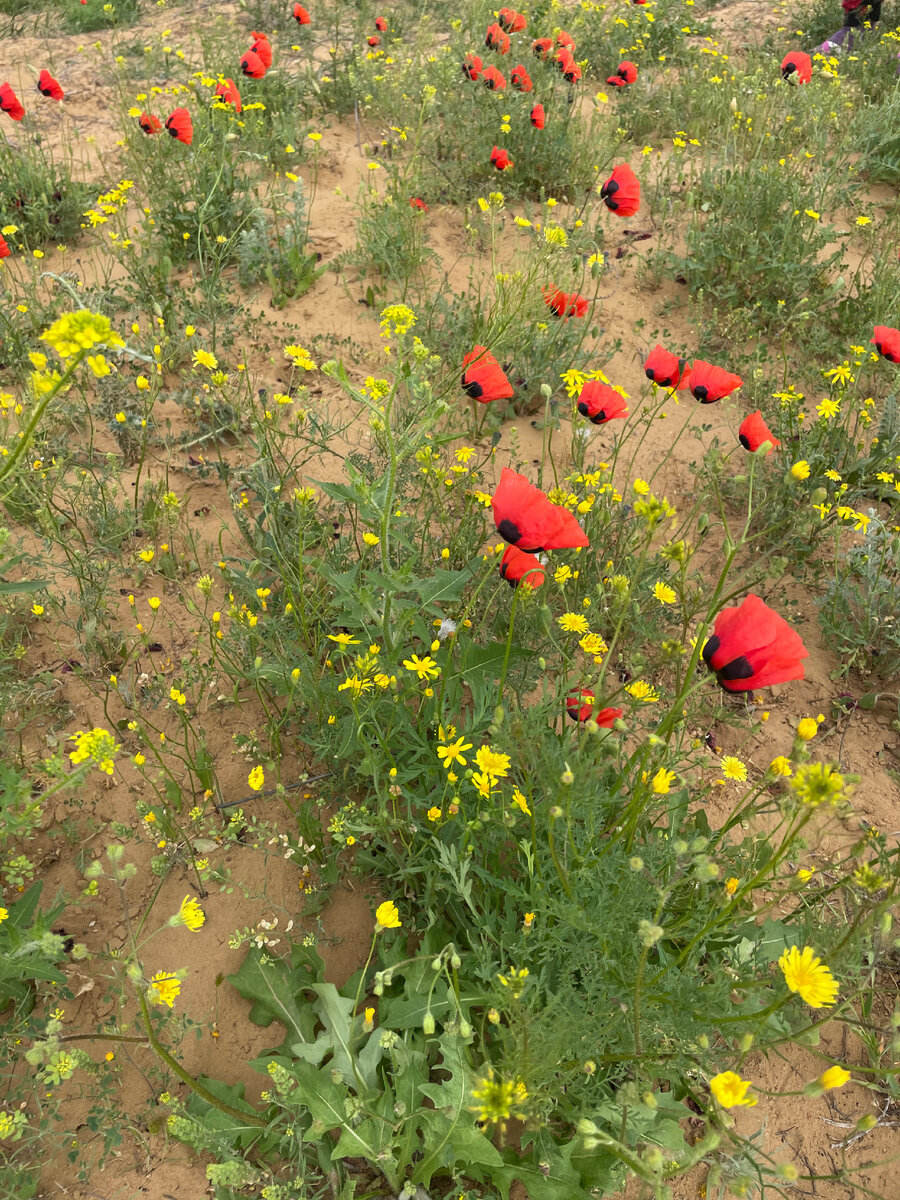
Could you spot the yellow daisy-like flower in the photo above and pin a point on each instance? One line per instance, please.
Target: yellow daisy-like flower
(733, 768)
(4, 915)
(834, 1077)
(664, 594)
(491, 762)
(387, 916)
(425, 668)
(256, 779)
(520, 802)
(190, 914)
(343, 639)
(203, 358)
(166, 986)
(573, 623)
(781, 766)
(731, 885)
(642, 691)
(731, 1091)
(453, 752)
(800, 470)
(371, 539)
(662, 781)
(809, 977)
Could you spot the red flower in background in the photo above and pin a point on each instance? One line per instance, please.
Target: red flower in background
(381, 24)
(753, 647)
(301, 16)
(580, 707)
(565, 39)
(565, 304)
(149, 123)
(887, 342)
(472, 66)
(48, 86)
(4, 249)
(601, 403)
(9, 103)
(483, 378)
(252, 65)
(541, 47)
(569, 68)
(526, 518)
(622, 192)
(521, 80)
(374, 40)
(228, 94)
(262, 47)
(415, 202)
(796, 67)
(496, 39)
(667, 369)
(180, 126)
(709, 384)
(515, 565)
(492, 79)
(626, 73)
(511, 21)
(500, 159)
(538, 116)
(754, 432)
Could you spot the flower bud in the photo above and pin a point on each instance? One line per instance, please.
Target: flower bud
(864, 1124)
(455, 961)
(465, 1029)
(428, 1024)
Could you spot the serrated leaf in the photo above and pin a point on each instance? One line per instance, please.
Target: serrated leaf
(275, 990)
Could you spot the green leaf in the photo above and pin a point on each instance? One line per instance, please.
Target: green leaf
(277, 994)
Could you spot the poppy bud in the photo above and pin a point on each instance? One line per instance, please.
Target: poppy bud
(428, 1024)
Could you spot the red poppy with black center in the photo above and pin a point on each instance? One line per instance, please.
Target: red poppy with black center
(149, 123)
(666, 369)
(381, 24)
(565, 39)
(472, 66)
(500, 159)
(796, 67)
(415, 202)
(709, 384)
(887, 342)
(541, 47)
(374, 40)
(511, 21)
(262, 47)
(580, 707)
(228, 94)
(517, 567)
(565, 304)
(626, 73)
(601, 403)
(483, 378)
(48, 86)
(568, 67)
(753, 647)
(5, 251)
(492, 79)
(180, 126)
(496, 39)
(521, 80)
(754, 432)
(301, 16)
(9, 103)
(538, 116)
(622, 192)
(527, 519)
(252, 65)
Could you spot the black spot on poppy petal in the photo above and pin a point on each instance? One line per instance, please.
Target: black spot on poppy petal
(744, 440)
(599, 417)
(701, 392)
(583, 408)
(473, 388)
(650, 373)
(709, 649)
(738, 668)
(509, 531)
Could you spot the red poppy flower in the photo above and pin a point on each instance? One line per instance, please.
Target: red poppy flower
(149, 123)
(374, 40)
(521, 80)
(262, 47)
(525, 517)
(753, 647)
(381, 24)
(492, 79)
(496, 39)
(472, 66)
(796, 67)
(541, 47)
(887, 342)
(754, 432)
(539, 119)
(228, 94)
(483, 378)
(666, 369)
(5, 251)
(709, 384)
(565, 39)
(500, 159)
(565, 304)
(252, 65)
(515, 566)
(568, 67)
(301, 16)
(626, 73)
(9, 103)
(511, 21)
(415, 202)
(48, 86)
(622, 192)
(180, 126)
(601, 403)
(580, 707)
